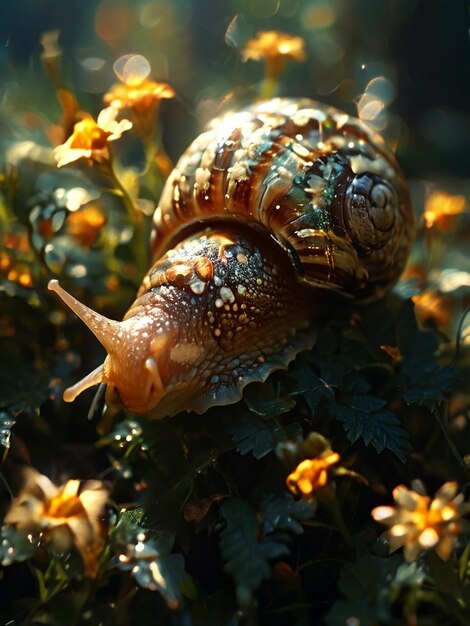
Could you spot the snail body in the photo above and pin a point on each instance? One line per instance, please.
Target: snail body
(264, 214)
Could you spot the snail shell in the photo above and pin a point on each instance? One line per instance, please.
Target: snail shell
(321, 182)
(265, 213)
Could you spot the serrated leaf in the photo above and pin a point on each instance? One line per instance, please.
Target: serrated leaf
(282, 512)
(365, 417)
(246, 556)
(262, 400)
(257, 436)
(311, 387)
(361, 584)
(428, 386)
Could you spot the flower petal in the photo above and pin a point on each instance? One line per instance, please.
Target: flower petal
(444, 495)
(444, 547)
(406, 498)
(428, 538)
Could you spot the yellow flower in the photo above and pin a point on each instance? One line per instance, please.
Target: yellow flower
(276, 49)
(441, 207)
(142, 98)
(65, 516)
(312, 474)
(418, 523)
(90, 139)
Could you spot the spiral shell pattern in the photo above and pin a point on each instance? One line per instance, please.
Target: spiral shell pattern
(321, 182)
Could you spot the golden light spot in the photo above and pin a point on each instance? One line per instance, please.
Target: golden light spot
(25, 279)
(86, 224)
(433, 308)
(441, 208)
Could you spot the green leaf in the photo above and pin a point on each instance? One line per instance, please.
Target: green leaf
(361, 584)
(147, 555)
(282, 512)
(165, 574)
(246, 556)
(365, 417)
(449, 586)
(311, 387)
(422, 379)
(15, 545)
(263, 401)
(260, 437)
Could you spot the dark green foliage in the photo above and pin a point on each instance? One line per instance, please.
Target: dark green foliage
(365, 417)
(247, 557)
(363, 585)
(200, 528)
(260, 437)
(422, 380)
(148, 555)
(282, 512)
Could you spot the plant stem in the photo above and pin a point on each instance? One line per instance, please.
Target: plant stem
(442, 421)
(136, 218)
(331, 504)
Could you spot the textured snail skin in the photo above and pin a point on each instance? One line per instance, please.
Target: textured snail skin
(265, 214)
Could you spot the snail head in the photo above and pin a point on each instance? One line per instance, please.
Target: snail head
(130, 369)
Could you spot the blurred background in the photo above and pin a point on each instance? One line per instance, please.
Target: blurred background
(411, 55)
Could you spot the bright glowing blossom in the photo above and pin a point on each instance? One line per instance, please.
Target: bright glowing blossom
(63, 516)
(418, 523)
(311, 474)
(276, 49)
(90, 139)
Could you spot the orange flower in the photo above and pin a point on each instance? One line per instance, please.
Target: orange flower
(419, 523)
(90, 139)
(63, 516)
(276, 49)
(312, 474)
(441, 207)
(142, 98)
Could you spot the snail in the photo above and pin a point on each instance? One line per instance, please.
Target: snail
(266, 213)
